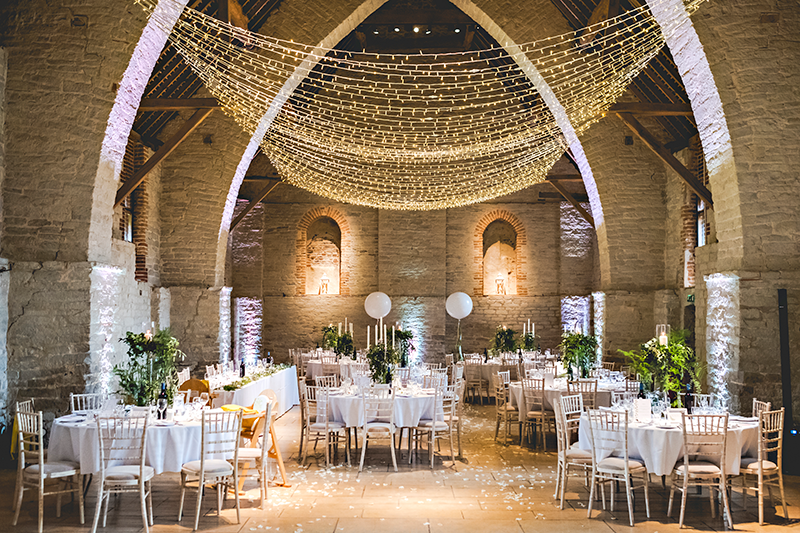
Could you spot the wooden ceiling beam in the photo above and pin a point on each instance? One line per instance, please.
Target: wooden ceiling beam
(254, 202)
(575, 203)
(417, 16)
(177, 104)
(188, 127)
(666, 156)
(653, 109)
(564, 177)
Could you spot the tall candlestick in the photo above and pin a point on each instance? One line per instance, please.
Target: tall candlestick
(345, 324)
(340, 329)
(351, 330)
(533, 329)
(384, 337)
(392, 337)
(377, 335)
(524, 331)
(367, 337)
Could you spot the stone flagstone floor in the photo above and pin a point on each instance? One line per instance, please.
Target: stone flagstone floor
(493, 488)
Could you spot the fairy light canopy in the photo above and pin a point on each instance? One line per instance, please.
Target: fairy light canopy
(415, 131)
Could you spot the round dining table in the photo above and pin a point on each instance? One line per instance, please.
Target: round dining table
(409, 408)
(170, 444)
(551, 395)
(660, 444)
(314, 368)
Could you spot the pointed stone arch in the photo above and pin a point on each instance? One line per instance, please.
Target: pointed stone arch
(301, 259)
(521, 249)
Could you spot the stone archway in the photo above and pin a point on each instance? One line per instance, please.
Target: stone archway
(520, 249)
(301, 259)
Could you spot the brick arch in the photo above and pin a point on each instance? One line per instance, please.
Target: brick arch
(301, 260)
(521, 249)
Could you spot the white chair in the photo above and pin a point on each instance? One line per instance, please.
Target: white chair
(378, 405)
(33, 471)
(759, 406)
(331, 381)
(586, 388)
(220, 436)
(441, 426)
(122, 469)
(25, 406)
(504, 411)
(536, 415)
(705, 439)
(458, 372)
(184, 375)
(608, 432)
(761, 469)
(475, 381)
(83, 403)
(257, 456)
(568, 457)
(321, 427)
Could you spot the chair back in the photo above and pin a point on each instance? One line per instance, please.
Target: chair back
(403, 373)
(586, 388)
(83, 403)
(458, 372)
(448, 359)
(262, 428)
(571, 411)
(626, 370)
(123, 441)
(220, 432)
(499, 389)
(706, 436)
(25, 406)
(505, 375)
(445, 410)
(329, 360)
(434, 381)
(770, 430)
(184, 375)
(30, 435)
(759, 406)
(331, 381)
(378, 402)
(472, 371)
(428, 366)
(533, 390)
(632, 385)
(608, 432)
(561, 434)
(609, 365)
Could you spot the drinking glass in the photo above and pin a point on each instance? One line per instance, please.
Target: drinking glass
(162, 408)
(204, 398)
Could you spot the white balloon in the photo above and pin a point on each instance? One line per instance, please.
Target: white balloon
(458, 305)
(377, 305)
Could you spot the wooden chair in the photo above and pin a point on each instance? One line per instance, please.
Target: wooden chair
(194, 387)
(441, 425)
(568, 457)
(608, 431)
(434, 381)
(475, 381)
(220, 436)
(33, 471)
(25, 406)
(705, 439)
(586, 388)
(378, 405)
(321, 427)
(83, 403)
(123, 440)
(760, 406)
(609, 365)
(504, 411)
(537, 415)
(257, 455)
(761, 469)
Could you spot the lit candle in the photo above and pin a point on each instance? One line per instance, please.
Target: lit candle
(393, 337)
(662, 339)
(377, 335)
(384, 337)
(367, 337)
(524, 331)
(340, 329)
(351, 330)
(533, 328)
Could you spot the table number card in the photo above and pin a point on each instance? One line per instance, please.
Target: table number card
(643, 413)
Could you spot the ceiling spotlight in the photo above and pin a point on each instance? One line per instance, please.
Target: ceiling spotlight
(416, 29)
(458, 30)
(427, 32)
(396, 29)
(376, 32)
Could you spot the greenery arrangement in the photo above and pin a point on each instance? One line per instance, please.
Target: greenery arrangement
(669, 367)
(578, 350)
(330, 337)
(381, 362)
(340, 344)
(503, 341)
(152, 360)
(530, 342)
(404, 345)
(255, 376)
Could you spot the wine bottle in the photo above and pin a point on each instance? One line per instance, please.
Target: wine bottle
(269, 359)
(241, 368)
(689, 398)
(485, 356)
(641, 391)
(162, 414)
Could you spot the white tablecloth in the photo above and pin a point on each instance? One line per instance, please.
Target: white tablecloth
(284, 383)
(408, 411)
(314, 368)
(551, 395)
(660, 449)
(168, 447)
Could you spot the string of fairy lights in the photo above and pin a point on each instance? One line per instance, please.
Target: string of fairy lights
(414, 131)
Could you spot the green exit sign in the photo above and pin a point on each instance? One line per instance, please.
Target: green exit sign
(690, 298)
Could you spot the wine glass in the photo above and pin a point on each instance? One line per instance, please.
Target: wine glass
(204, 398)
(161, 405)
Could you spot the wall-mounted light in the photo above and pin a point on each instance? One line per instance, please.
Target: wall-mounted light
(501, 284)
(323, 284)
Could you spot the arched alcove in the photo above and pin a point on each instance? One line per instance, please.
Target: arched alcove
(323, 256)
(499, 259)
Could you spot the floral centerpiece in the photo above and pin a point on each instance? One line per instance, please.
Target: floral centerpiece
(382, 359)
(530, 342)
(578, 350)
(503, 341)
(668, 368)
(404, 345)
(340, 344)
(152, 360)
(255, 376)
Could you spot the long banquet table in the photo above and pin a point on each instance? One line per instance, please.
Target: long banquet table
(284, 383)
(661, 447)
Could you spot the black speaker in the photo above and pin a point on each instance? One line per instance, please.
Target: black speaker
(791, 435)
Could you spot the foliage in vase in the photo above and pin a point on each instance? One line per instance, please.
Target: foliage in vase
(669, 367)
(381, 362)
(152, 360)
(330, 337)
(503, 341)
(344, 346)
(578, 350)
(530, 342)
(404, 345)
(250, 378)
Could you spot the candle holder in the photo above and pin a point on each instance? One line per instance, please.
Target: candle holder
(662, 333)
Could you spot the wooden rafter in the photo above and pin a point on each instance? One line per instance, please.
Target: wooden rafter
(571, 199)
(177, 104)
(666, 156)
(605, 10)
(188, 127)
(254, 202)
(653, 109)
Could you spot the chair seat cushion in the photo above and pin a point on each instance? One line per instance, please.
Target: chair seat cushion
(578, 455)
(332, 426)
(54, 469)
(246, 454)
(539, 414)
(427, 424)
(128, 473)
(751, 464)
(698, 468)
(618, 463)
(508, 407)
(213, 466)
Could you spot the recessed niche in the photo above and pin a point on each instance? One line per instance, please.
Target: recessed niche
(499, 259)
(324, 256)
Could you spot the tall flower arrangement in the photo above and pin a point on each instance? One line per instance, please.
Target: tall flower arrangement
(382, 360)
(152, 360)
(504, 341)
(578, 350)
